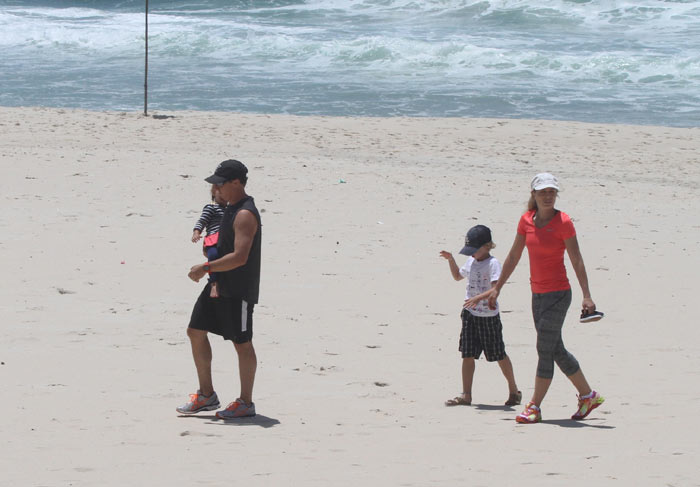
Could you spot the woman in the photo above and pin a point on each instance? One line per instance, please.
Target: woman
(547, 232)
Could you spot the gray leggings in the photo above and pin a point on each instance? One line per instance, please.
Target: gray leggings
(549, 311)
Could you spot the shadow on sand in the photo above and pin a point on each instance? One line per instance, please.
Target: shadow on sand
(570, 423)
(492, 407)
(257, 420)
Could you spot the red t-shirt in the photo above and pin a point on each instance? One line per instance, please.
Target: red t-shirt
(545, 246)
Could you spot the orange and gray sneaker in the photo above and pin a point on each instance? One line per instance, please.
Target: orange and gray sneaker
(587, 404)
(199, 402)
(237, 409)
(531, 414)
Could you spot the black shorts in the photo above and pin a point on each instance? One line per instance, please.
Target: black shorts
(231, 318)
(482, 333)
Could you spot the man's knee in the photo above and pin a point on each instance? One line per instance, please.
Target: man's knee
(244, 348)
(196, 335)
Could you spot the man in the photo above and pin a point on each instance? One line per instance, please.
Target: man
(231, 314)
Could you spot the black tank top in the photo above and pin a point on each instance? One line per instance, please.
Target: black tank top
(242, 282)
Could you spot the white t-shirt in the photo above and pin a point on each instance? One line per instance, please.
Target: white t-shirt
(480, 275)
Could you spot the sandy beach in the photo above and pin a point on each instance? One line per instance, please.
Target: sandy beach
(358, 322)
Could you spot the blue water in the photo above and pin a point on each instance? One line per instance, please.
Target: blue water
(586, 60)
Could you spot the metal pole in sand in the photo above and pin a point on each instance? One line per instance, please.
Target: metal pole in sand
(145, 78)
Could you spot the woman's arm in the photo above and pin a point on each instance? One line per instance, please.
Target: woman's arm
(509, 265)
(576, 258)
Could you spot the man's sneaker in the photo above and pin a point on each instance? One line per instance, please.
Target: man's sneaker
(531, 414)
(588, 404)
(199, 402)
(237, 409)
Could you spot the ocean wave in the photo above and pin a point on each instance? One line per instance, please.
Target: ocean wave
(416, 56)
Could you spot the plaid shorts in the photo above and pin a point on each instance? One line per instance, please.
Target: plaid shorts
(482, 333)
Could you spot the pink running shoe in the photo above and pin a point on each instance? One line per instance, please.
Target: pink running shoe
(531, 414)
(588, 404)
(237, 409)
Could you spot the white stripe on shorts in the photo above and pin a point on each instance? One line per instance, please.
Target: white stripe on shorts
(244, 316)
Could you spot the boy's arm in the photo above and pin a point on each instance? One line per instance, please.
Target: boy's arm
(473, 301)
(204, 219)
(201, 224)
(454, 268)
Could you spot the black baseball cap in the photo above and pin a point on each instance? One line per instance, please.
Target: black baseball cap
(228, 170)
(476, 238)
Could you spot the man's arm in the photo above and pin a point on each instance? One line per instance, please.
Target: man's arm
(245, 225)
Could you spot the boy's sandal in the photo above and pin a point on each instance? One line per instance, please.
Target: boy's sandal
(458, 401)
(514, 399)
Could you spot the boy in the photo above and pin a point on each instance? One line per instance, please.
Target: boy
(481, 325)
